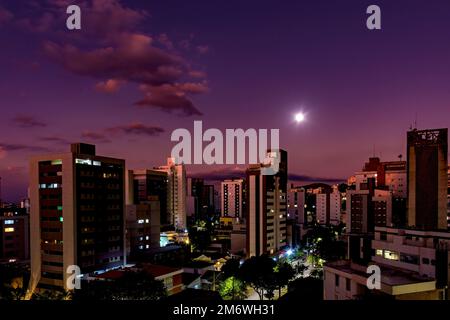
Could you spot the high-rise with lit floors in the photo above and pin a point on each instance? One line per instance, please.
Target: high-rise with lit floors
(267, 208)
(176, 192)
(427, 179)
(77, 215)
(232, 198)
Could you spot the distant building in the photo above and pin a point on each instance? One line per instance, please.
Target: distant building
(77, 215)
(359, 208)
(382, 208)
(143, 228)
(296, 204)
(328, 207)
(414, 260)
(428, 179)
(14, 235)
(414, 266)
(176, 193)
(448, 198)
(143, 185)
(232, 198)
(172, 278)
(267, 208)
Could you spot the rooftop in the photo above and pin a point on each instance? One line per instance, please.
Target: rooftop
(390, 276)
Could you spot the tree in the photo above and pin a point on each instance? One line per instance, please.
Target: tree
(343, 187)
(131, 286)
(52, 295)
(301, 268)
(200, 238)
(13, 276)
(284, 273)
(317, 273)
(233, 289)
(230, 271)
(258, 272)
(325, 243)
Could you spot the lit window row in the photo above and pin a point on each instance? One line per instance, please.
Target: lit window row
(49, 186)
(88, 162)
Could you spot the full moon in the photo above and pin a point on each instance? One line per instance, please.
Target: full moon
(299, 117)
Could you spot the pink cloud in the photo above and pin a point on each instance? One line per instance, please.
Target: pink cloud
(203, 49)
(109, 86)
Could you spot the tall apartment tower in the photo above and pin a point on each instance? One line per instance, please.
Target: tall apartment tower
(77, 215)
(427, 179)
(176, 192)
(232, 198)
(267, 208)
(145, 185)
(328, 207)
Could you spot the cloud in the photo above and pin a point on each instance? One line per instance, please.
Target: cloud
(26, 121)
(5, 16)
(165, 41)
(55, 139)
(109, 86)
(172, 97)
(203, 49)
(136, 129)
(10, 147)
(113, 49)
(95, 137)
(2, 153)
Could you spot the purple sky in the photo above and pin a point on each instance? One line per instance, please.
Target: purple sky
(140, 69)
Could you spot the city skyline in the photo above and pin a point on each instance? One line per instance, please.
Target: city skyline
(231, 65)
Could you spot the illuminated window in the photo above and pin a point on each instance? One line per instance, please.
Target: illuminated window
(83, 161)
(379, 252)
(140, 221)
(147, 221)
(61, 219)
(9, 229)
(56, 162)
(168, 282)
(60, 208)
(96, 163)
(390, 255)
(9, 221)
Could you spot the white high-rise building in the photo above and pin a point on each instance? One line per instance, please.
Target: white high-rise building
(176, 192)
(328, 207)
(232, 198)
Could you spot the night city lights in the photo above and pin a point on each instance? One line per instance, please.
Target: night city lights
(224, 159)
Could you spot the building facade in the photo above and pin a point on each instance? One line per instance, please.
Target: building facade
(77, 215)
(427, 179)
(176, 193)
(267, 208)
(14, 235)
(232, 198)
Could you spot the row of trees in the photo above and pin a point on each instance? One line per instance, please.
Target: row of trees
(131, 286)
(261, 273)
